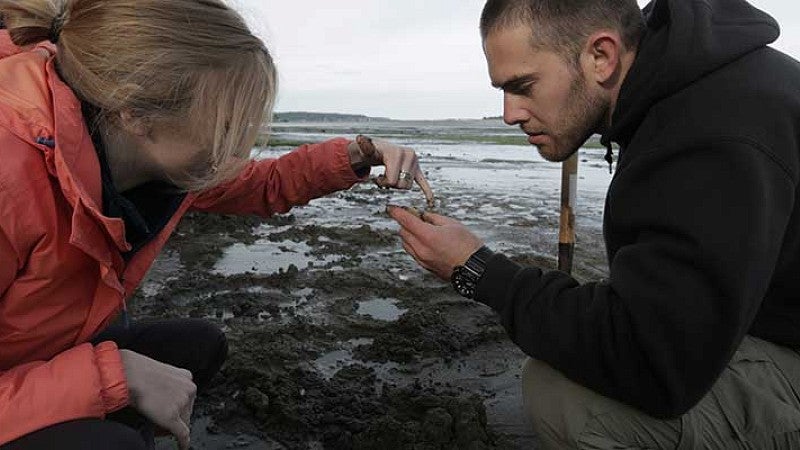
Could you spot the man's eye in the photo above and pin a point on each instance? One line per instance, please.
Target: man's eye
(524, 90)
(527, 89)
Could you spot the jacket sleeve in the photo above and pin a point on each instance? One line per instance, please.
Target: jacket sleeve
(704, 229)
(274, 186)
(9, 263)
(82, 382)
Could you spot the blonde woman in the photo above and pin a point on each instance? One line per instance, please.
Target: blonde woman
(116, 118)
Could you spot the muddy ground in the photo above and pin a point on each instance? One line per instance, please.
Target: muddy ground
(347, 344)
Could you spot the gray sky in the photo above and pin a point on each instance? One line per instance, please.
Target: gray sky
(412, 59)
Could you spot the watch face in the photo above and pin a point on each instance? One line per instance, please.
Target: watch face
(464, 281)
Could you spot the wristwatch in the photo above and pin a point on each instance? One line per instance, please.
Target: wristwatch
(465, 278)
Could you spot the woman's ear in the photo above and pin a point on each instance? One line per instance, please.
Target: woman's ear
(134, 124)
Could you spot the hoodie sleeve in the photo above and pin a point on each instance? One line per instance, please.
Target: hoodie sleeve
(704, 228)
(82, 382)
(274, 186)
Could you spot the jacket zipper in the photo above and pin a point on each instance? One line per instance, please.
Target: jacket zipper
(126, 320)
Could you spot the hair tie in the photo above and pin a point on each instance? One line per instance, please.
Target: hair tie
(56, 26)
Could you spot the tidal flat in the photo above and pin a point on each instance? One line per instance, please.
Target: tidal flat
(338, 340)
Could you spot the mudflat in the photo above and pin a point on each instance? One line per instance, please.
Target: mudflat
(337, 338)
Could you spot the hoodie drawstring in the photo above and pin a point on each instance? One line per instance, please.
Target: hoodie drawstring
(610, 158)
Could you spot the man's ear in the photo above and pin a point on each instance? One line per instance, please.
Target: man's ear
(134, 124)
(603, 53)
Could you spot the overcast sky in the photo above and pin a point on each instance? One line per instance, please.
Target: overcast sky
(411, 59)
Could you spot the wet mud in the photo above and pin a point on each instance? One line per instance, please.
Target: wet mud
(350, 345)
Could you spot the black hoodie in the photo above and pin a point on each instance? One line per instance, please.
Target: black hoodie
(702, 218)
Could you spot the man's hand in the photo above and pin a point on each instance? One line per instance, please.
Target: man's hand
(436, 242)
(162, 393)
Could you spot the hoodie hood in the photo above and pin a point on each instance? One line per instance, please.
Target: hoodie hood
(684, 41)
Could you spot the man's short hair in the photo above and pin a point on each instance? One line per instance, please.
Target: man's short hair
(564, 25)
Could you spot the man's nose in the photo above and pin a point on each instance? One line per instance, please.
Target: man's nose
(513, 111)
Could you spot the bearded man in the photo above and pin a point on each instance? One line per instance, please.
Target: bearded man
(691, 340)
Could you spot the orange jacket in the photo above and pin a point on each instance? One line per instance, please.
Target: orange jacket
(62, 277)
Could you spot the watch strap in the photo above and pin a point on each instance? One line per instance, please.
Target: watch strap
(478, 260)
(465, 278)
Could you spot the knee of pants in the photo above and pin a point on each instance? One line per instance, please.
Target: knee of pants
(214, 344)
(222, 348)
(206, 335)
(557, 407)
(214, 339)
(547, 393)
(566, 414)
(118, 437)
(81, 434)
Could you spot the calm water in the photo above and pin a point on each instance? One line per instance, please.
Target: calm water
(507, 194)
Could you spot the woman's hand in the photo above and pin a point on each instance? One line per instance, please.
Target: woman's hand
(162, 393)
(401, 163)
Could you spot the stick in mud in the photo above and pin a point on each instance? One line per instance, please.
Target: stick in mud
(569, 192)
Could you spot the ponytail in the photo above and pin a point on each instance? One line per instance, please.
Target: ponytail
(190, 64)
(32, 21)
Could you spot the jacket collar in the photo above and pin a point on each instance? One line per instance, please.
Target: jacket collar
(54, 124)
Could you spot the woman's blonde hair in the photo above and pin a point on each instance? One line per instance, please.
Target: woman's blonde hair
(189, 64)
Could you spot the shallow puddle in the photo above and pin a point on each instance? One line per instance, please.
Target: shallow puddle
(224, 314)
(331, 362)
(267, 258)
(385, 309)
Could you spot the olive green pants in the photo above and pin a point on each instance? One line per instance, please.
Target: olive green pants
(753, 405)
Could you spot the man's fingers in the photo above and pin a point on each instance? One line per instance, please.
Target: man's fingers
(406, 219)
(416, 224)
(410, 250)
(413, 246)
(438, 220)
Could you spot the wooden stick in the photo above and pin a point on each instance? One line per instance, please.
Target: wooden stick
(569, 195)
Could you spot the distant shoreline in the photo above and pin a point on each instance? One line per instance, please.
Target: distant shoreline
(295, 129)
(324, 117)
